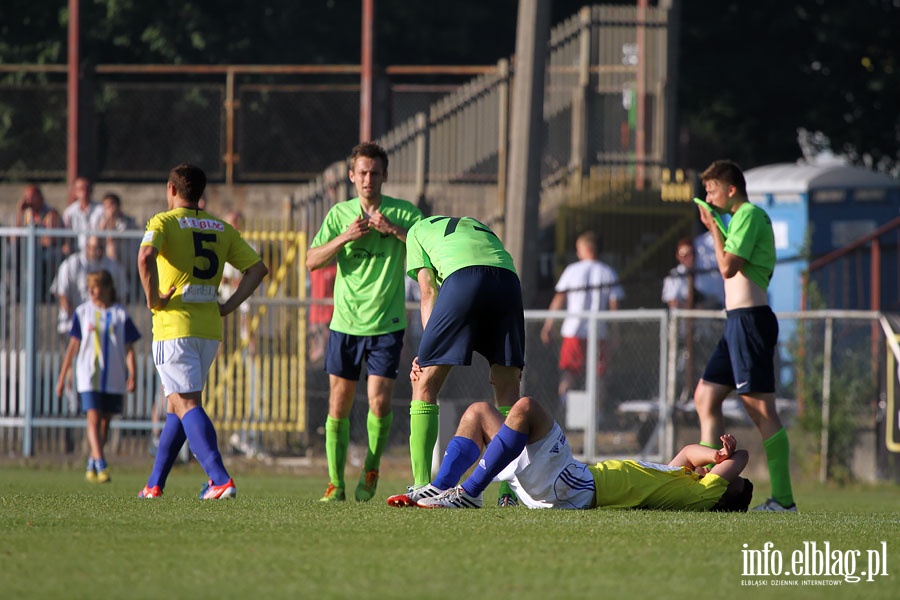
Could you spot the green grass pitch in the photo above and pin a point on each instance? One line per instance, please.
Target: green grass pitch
(63, 538)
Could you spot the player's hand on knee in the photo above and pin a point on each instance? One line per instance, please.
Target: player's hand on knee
(416, 370)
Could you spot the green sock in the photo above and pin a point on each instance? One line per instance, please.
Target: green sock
(423, 434)
(778, 455)
(379, 429)
(337, 441)
(714, 446)
(505, 488)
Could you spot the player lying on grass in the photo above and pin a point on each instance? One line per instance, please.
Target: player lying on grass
(530, 451)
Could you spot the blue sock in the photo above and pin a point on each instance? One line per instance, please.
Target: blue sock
(99, 464)
(506, 446)
(201, 436)
(460, 455)
(90, 464)
(171, 439)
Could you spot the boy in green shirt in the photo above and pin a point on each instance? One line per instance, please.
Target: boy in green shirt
(744, 359)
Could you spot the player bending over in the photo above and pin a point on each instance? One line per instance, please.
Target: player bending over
(530, 451)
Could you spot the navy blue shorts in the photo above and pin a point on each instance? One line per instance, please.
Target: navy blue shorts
(478, 308)
(744, 358)
(346, 353)
(107, 403)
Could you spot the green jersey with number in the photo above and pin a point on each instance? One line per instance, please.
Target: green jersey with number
(447, 244)
(750, 236)
(369, 295)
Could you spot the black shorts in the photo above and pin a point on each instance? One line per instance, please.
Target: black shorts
(346, 353)
(478, 308)
(744, 359)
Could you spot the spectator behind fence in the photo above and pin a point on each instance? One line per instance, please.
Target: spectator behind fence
(678, 286)
(70, 286)
(708, 282)
(111, 218)
(679, 292)
(321, 288)
(587, 285)
(101, 344)
(33, 210)
(81, 213)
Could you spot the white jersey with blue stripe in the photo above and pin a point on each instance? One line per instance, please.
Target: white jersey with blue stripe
(104, 334)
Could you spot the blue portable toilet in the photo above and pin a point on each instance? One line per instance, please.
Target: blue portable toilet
(827, 205)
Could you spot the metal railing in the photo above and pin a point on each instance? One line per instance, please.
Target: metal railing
(455, 154)
(641, 406)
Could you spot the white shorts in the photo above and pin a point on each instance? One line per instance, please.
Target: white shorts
(183, 363)
(546, 475)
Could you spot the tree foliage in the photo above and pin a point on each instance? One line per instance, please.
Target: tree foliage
(751, 74)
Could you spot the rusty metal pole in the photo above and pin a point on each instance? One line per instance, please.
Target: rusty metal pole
(230, 157)
(72, 93)
(875, 300)
(640, 134)
(367, 62)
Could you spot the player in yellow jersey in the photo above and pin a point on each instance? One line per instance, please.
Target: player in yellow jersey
(530, 451)
(181, 259)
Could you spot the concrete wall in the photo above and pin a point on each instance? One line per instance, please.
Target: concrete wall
(143, 200)
(271, 200)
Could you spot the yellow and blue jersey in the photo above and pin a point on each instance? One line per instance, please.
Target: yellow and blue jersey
(193, 248)
(640, 484)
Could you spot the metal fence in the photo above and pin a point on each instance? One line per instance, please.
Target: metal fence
(605, 104)
(831, 375)
(289, 122)
(257, 385)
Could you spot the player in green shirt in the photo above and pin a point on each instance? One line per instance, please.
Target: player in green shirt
(744, 359)
(479, 307)
(367, 237)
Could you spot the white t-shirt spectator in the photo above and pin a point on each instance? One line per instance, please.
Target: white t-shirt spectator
(71, 282)
(675, 286)
(82, 221)
(589, 286)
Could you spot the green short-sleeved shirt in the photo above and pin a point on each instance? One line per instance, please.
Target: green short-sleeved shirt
(447, 244)
(750, 236)
(369, 296)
